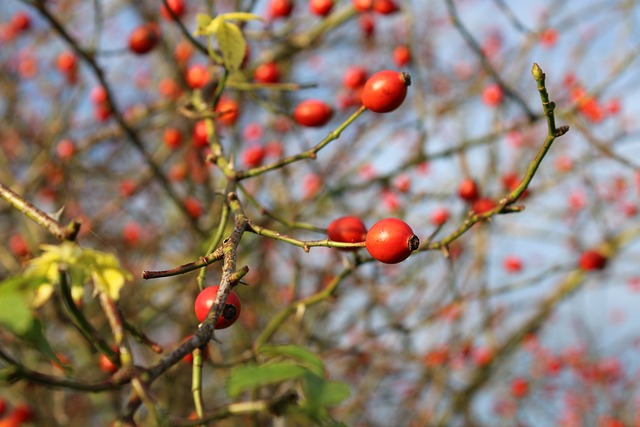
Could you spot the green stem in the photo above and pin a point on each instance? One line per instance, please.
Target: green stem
(308, 154)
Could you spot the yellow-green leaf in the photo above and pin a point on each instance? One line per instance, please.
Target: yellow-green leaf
(202, 21)
(239, 16)
(232, 44)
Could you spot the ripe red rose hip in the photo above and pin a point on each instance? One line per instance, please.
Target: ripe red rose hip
(347, 229)
(321, 7)
(385, 91)
(468, 190)
(391, 241)
(267, 73)
(592, 260)
(144, 38)
(230, 312)
(312, 113)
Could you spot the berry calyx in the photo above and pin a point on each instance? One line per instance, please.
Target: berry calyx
(230, 312)
(385, 91)
(391, 241)
(312, 113)
(347, 229)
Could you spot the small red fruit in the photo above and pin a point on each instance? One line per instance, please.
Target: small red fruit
(519, 388)
(172, 138)
(65, 149)
(227, 110)
(347, 229)
(253, 156)
(385, 91)
(18, 246)
(362, 5)
(200, 136)
(280, 8)
(385, 7)
(312, 113)
(391, 241)
(197, 76)
(439, 216)
(483, 205)
(492, 95)
(21, 21)
(354, 77)
(193, 207)
(106, 365)
(367, 25)
(267, 73)
(468, 190)
(512, 264)
(230, 313)
(144, 38)
(67, 62)
(321, 7)
(401, 55)
(592, 260)
(176, 6)
(22, 413)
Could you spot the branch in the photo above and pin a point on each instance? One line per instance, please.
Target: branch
(69, 232)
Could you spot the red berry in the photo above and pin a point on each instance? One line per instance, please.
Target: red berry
(347, 229)
(172, 138)
(144, 38)
(401, 55)
(512, 264)
(439, 216)
(483, 205)
(197, 76)
(18, 246)
(21, 21)
(492, 95)
(354, 77)
(321, 7)
(312, 113)
(176, 6)
(385, 7)
(267, 73)
(65, 149)
(193, 207)
(131, 233)
(253, 156)
(280, 8)
(230, 313)
(468, 190)
(227, 110)
(391, 241)
(106, 365)
(519, 388)
(98, 95)
(367, 24)
(67, 62)
(200, 136)
(22, 413)
(592, 260)
(385, 91)
(3, 406)
(362, 5)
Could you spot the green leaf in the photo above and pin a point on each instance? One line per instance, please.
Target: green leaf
(36, 337)
(249, 377)
(306, 357)
(15, 314)
(232, 44)
(320, 392)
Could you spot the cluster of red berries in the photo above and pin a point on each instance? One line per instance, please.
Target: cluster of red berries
(390, 240)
